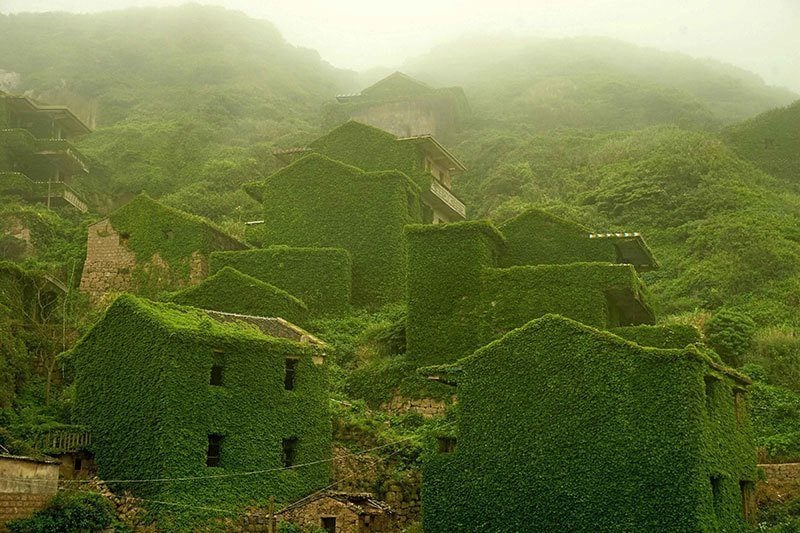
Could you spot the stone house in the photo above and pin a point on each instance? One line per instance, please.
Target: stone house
(37, 160)
(26, 485)
(173, 392)
(406, 107)
(147, 247)
(563, 427)
(340, 512)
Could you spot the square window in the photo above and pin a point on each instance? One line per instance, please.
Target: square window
(446, 444)
(216, 375)
(329, 524)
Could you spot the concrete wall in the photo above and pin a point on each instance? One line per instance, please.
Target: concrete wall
(26, 485)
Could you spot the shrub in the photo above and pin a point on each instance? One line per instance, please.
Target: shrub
(730, 333)
(69, 512)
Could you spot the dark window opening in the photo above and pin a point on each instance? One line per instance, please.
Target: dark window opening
(709, 383)
(749, 509)
(77, 464)
(214, 449)
(447, 444)
(289, 451)
(169, 234)
(123, 238)
(216, 375)
(329, 524)
(716, 491)
(738, 405)
(290, 368)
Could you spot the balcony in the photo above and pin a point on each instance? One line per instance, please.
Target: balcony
(56, 191)
(59, 151)
(442, 200)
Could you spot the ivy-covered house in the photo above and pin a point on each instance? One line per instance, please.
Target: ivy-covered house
(563, 427)
(37, 160)
(422, 158)
(187, 402)
(470, 282)
(147, 247)
(405, 107)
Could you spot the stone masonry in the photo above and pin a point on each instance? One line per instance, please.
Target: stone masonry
(109, 263)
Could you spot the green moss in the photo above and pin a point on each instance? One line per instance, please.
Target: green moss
(381, 379)
(230, 291)
(318, 202)
(549, 419)
(142, 388)
(320, 277)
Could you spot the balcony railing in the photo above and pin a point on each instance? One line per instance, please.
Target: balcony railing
(18, 183)
(448, 199)
(63, 441)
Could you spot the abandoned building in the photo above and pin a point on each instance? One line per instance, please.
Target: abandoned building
(147, 247)
(37, 160)
(339, 512)
(406, 107)
(355, 189)
(570, 428)
(470, 283)
(173, 392)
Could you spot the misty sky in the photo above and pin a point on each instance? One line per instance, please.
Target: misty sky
(761, 36)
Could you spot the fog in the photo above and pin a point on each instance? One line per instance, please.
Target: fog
(359, 34)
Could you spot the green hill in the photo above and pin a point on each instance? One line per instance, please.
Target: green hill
(771, 141)
(594, 83)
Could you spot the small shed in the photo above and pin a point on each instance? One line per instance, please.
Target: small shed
(26, 485)
(340, 512)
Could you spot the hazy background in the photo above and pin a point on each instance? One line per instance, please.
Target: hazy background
(359, 34)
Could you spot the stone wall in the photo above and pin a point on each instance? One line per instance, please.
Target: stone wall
(427, 407)
(111, 266)
(403, 119)
(781, 472)
(109, 263)
(309, 516)
(26, 485)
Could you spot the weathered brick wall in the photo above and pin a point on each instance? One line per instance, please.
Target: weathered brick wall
(781, 472)
(427, 407)
(26, 485)
(109, 264)
(16, 505)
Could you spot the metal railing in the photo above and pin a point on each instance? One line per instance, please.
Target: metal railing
(447, 197)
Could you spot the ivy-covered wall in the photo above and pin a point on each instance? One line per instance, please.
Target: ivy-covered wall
(566, 428)
(536, 237)
(669, 336)
(142, 385)
(372, 150)
(445, 268)
(231, 291)
(319, 202)
(587, 292)
(458, 300)
(320, 277)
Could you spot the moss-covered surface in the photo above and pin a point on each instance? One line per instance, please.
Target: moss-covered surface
(142, 388)
(320, 277)
(587, 432)
(230, 291)
(319, 202)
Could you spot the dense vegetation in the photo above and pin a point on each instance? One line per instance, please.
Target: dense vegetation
(187, 104)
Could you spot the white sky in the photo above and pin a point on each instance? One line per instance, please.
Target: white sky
(762, 36)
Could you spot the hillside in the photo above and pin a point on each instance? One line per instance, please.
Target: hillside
(596, 83)
(771, 141)
(179, 96)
